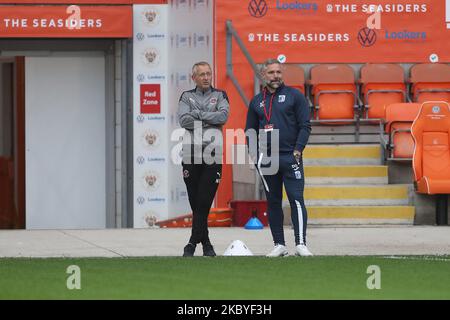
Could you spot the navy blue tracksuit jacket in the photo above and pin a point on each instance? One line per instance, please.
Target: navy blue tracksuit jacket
(290, 116)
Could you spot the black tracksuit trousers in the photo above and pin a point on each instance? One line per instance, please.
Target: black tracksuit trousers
(291, 174)
(201, 182)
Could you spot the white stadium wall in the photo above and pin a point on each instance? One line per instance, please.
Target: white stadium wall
(167, 41)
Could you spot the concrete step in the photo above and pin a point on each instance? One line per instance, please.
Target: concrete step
(342, 154)
(342, 128)
(350, 195)
(344, 138)
(317, 175)
(357, 215)
(361, 214)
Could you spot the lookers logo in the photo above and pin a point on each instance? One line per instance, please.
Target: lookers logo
(302, 7)
(259, 8)
(405, 35)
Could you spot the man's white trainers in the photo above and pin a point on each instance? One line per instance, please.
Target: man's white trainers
(278, 251)
(302, 250)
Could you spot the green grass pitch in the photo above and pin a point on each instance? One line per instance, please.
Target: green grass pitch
(177, 278)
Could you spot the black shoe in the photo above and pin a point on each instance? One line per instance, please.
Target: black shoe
(189, 250)
(208, 250)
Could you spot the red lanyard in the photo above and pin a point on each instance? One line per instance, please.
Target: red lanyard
(268, 116)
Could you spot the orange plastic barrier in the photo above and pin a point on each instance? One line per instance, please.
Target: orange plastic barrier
(218, 217)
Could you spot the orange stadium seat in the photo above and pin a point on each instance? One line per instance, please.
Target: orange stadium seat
(294, 76)
(398, 120)
(431, 159)
(430, 82)
(381, 85)
(333, 91)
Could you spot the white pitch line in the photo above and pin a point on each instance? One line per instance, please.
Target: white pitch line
(417, 258)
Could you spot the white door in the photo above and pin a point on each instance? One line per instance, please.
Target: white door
(65, 142)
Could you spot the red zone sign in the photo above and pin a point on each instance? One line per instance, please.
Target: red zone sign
(150, 98)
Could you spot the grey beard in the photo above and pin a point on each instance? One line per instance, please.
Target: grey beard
(268, 84)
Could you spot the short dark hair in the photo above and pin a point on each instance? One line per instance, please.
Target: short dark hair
(200, 63)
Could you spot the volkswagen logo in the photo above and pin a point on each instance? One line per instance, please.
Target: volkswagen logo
(140, 160)
(367, 37)
(257, 8)
(140, 36)
(140, 200)
(140, 77)
(140, 118)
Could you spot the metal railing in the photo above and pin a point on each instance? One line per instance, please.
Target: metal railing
(232, 33)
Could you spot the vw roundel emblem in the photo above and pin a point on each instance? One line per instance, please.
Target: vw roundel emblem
(258, 8)
(140, 200)
(140, 118)
(436, 109)
(140, 36)
(367, 37)
(140, 160)
(140, 77)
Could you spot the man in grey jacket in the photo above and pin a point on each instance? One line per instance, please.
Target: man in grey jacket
(202, 112)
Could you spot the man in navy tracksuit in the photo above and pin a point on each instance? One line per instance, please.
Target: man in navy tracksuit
(283, 110)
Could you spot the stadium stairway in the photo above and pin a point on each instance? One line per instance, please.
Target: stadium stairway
(345, 184)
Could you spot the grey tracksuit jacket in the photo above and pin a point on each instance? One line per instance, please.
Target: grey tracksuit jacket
(206, 110)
